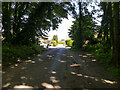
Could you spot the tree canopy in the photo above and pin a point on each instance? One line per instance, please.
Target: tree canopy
(22, 21)
(85, 29)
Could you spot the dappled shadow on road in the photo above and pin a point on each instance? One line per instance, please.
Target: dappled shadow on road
(53, 81)
(58, 68)
(90, 70)
(96, 79)
(33, 72)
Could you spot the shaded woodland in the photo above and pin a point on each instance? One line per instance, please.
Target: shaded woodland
(24, 22)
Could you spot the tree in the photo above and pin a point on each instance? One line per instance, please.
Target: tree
(82, 28)
(79, 42)
(55, 38)
(22, 21)
(116, 30)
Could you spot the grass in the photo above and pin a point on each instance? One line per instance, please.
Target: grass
(10, 54)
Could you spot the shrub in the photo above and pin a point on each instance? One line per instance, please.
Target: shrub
(12, 53)
(37, 48)
(61, 42)
(69, 42)
(54, 43)
(89, 48)
(115, 71)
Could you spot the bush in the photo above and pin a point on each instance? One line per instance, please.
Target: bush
(69, 42)
(12, 53)
(54, 43)
(89, 48)
(115, 71)
(61, 42)
(37, 48)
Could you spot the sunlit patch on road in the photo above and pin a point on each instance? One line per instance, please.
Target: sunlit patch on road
(23, 77)
(53, 79)
(79, 75)
(84, 56)
(108, 81)
(53, 72)
(39, 55)
(96, 79)
(6, 85)
(19, 60)
(94, 60)
(40, 59)
(70, 56)
(23, 87)
(73, 73)
(33, 62)
(75, 65)
(47, 85)
(62, 61)
(28, 61)
(86, 76)
(57, 86)
(12, 66)
(49, 56)
(16, 65)
(23, 68)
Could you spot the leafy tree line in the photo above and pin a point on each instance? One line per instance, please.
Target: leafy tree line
(22, 21)
(84, 30)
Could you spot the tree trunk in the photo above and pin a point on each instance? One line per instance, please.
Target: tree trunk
(116, 45)
(110, 24)
(9, 23)
(100, 33)
(15, 18)
(80, 27)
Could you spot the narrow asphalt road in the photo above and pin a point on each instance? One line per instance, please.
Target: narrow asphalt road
(58, 68)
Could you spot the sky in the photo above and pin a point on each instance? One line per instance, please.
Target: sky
(62, 30)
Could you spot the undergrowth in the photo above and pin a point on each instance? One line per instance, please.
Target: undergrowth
(10, 54)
